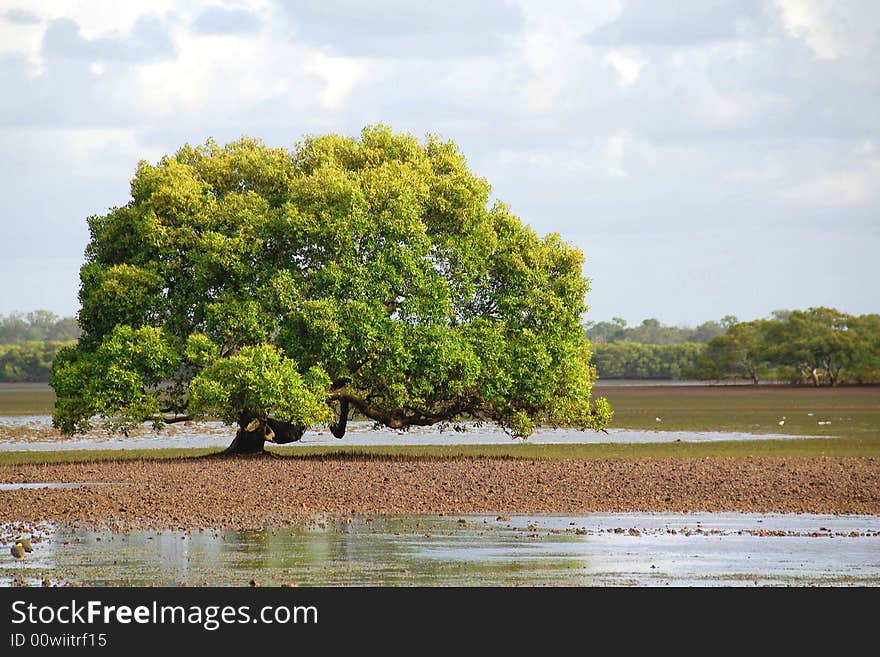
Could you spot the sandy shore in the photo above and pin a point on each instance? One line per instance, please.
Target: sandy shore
(253, 492)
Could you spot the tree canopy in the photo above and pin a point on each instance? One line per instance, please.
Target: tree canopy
(286, 289)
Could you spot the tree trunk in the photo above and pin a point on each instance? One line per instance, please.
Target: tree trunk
(253, 432)
(338, 428)
(247, 442)
(832, 372)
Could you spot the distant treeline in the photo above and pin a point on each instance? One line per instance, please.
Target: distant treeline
(37, 326)
(651, 331)
(819, 346)
(634, 360)
(29, 343)
(651, 350)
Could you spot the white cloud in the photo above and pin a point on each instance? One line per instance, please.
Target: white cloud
(231, 72)
(806, 20)
(99, 17)
(832, 28)
(340, 75)
(94, 18)
(553, 49)
(627, 68)
(22, 40)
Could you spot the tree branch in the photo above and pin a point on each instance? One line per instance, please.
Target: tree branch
(169, 420)
(285, 432)
(398, 419)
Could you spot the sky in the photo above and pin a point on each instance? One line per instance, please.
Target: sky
(710, 157)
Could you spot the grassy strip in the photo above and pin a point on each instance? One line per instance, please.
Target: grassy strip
(812, 448)
(96, 455)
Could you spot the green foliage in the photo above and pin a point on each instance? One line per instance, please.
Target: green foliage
(863, 358)
(631, 360)
(31, 361)
(370, 272)
(261, 381)
(200, 351)
(739, 353)
(814, 342)
(121, 379)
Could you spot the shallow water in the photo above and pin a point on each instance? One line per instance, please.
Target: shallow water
(35, 433)
(704, 549)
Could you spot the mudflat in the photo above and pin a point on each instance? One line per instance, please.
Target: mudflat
(252, 492)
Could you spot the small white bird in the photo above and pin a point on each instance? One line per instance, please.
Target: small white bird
(781, 422)
(658, 419)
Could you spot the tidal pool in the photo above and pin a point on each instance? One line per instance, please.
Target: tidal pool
(35, 433)
(621, 549)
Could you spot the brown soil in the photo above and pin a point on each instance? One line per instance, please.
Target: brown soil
(249, 492)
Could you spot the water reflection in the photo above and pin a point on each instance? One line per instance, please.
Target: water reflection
(596, 549)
